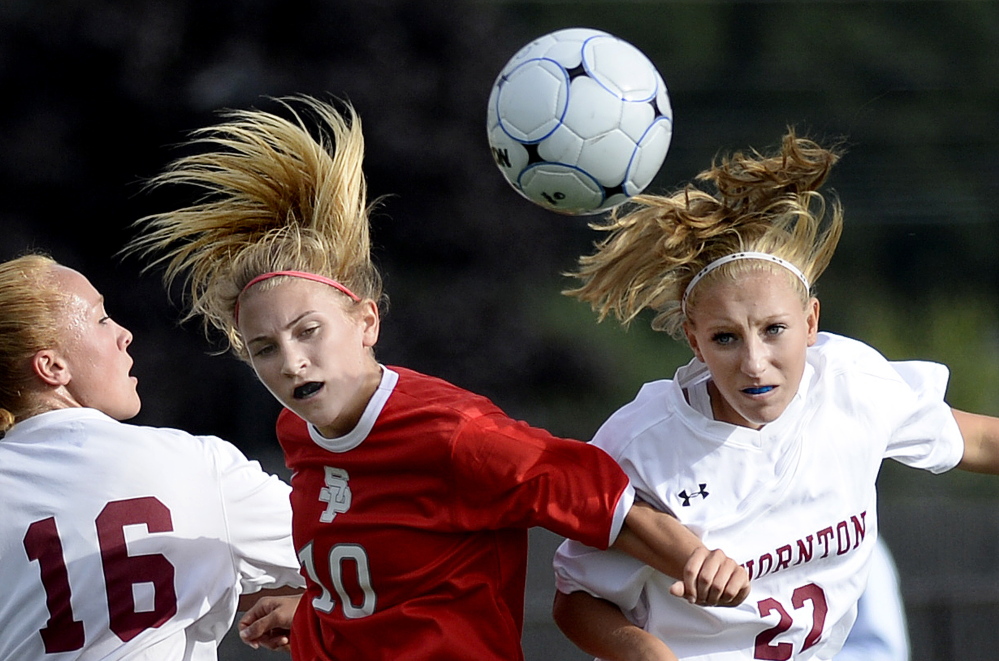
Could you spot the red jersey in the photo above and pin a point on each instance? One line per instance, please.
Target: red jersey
(412, 528)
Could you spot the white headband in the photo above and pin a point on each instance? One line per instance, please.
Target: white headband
(721, 261)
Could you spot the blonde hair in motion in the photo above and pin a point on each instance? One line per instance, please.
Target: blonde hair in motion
(276, 198)
(766, 204)
(31, 307)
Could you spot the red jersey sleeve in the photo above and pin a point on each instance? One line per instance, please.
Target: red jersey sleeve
(511, 475)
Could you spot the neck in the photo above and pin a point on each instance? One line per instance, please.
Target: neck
(722, 411)
(359, 402)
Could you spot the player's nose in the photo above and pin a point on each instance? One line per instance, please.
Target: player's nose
(753, 359)
(293, 363)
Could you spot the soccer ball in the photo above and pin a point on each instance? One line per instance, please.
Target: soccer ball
(579, 121)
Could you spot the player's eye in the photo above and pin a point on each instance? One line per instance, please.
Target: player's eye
(723, 338)
(263, 350)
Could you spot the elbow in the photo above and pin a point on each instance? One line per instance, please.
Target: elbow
(560, 610)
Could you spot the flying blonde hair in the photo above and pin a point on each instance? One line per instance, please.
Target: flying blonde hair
(276, 198)
(767, 204)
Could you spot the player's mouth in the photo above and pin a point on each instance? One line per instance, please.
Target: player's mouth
(307, 390)
(758, 390)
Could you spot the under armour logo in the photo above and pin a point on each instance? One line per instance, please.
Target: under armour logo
(336, 493)
(702, 492)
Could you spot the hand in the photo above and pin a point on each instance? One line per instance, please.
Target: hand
(268, 623)
(711, 578)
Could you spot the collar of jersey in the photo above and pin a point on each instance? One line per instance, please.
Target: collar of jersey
(356, 436)
(696, 372)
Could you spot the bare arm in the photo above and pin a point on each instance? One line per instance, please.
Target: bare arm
(599, 628)
(981, 442)
(704, 577)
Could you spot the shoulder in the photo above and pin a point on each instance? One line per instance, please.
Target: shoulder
(180, 439)
(651, 412)
(124, 453)
(854, 377)
(189, 450)
(838, 355)
(470, 425)
(417, 391)
(838, 350)
(148, 442)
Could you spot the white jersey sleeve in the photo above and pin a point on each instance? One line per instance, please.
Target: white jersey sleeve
(610, 575)
(258, 517)
(930, 419)
(904, 399)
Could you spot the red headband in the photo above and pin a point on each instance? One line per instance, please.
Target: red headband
(295, 274)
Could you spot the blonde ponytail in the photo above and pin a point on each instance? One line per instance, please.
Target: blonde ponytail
(657, 244)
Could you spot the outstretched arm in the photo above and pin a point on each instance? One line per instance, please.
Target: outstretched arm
(599, 628)
(981, 442)
(704, 577)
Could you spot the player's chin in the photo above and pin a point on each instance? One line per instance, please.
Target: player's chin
(766, 414)
(127, 407)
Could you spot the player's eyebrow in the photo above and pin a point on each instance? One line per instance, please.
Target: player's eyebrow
(263, 337)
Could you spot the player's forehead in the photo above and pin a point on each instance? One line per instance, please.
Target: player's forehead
(75, 285)
(761, 292)
(77, 301)
(273, 307)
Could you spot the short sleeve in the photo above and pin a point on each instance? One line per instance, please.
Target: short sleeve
(610, 575)
(512, 475)
(927, 437)
(258, 515)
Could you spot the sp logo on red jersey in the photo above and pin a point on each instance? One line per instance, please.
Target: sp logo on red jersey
(336, 493)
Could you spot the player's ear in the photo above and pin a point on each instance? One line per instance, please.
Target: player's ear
(812, 320)
(370, 321)
(50, 366)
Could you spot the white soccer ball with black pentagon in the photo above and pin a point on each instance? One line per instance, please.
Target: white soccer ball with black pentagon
(579, 121)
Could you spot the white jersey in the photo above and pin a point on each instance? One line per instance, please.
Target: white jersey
(793, 502)
(126, 542)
